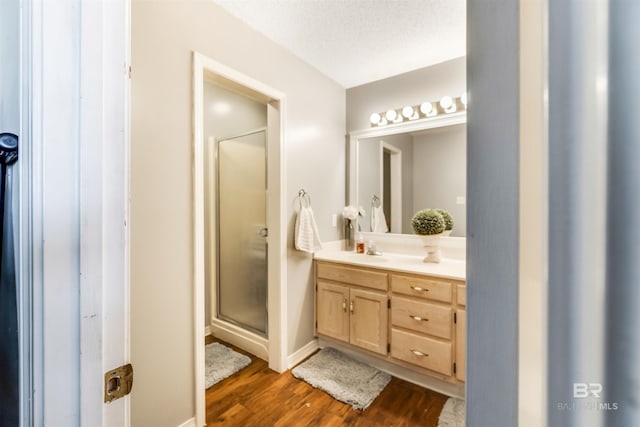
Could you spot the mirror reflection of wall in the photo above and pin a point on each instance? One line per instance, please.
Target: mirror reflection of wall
(413, 171)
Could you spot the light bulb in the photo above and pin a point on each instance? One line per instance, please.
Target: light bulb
(446, 102)
(375, 118)
(426, 108)
(407, 112)
(391, 115)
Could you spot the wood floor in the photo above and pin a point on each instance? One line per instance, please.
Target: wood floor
(258, 396)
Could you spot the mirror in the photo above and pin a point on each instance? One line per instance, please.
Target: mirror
(397, 170)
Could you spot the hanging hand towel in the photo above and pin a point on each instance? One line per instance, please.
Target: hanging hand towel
(378, 220)
(306, 237)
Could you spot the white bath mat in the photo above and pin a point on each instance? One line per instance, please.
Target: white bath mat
(453, 413)
(221, 362)
(343, 378)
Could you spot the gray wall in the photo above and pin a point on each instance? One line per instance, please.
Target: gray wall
(492, 213)
(412, 88)
(623, 228)
(440, 173)
(225, 114)
(164, 35)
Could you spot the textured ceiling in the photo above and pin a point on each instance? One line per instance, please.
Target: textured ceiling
(359, 41)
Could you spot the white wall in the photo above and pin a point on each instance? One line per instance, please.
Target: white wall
(164, 34)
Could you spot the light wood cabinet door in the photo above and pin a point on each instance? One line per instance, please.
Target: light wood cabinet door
(461, 343)
(332, 310)
(368, 323)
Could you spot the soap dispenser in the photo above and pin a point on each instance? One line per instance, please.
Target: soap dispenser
(359, 243)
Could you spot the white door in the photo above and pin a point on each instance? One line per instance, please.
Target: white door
(74, 206)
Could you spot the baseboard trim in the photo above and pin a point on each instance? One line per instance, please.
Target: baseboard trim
(207, 330)
(298, 356)
(191, 422)
(239, 337)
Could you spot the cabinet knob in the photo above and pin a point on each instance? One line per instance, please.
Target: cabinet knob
(344, 305)
(351, 306)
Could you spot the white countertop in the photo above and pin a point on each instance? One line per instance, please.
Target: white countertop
(447, 268)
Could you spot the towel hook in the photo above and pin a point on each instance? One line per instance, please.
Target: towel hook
(302, 196)
(375, 201)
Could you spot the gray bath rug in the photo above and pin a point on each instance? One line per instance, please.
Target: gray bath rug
(221, 362)
(343, 378)
(453, 413)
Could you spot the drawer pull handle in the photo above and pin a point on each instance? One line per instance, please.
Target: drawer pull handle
(419, 353)
(344, 305)
(419, 289)
(418, 318)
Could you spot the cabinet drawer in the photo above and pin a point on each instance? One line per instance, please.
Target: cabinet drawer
(421, 351)
(461, 293)
(353, 276)
(421, 316)
(421, 287)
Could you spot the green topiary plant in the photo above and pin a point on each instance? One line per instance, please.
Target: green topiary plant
(448, 220)
(427, 222)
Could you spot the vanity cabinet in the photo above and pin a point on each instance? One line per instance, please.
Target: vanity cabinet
(352, 305)
(461, 332)
(413, 320)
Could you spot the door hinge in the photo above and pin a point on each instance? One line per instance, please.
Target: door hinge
(129, 71)
(118, 382)
(388, 303)
(388, 348)
(454, 367)
(455, 317)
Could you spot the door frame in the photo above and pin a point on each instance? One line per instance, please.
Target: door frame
(229, 78)
(396, 184)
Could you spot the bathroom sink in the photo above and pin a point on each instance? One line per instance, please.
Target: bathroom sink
(366, 258)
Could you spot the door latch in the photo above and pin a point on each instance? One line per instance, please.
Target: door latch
(118, 383)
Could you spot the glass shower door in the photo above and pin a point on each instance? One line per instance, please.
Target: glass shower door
(242, 232)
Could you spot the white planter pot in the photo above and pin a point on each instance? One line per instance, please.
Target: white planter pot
(432, 246)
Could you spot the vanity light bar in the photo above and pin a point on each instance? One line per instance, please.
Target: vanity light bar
(446, 105)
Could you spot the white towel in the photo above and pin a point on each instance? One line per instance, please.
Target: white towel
(378, 221)
(306, 237)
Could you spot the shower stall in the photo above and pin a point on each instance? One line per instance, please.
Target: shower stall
(241, 232)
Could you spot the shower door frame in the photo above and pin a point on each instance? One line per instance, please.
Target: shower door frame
(205, 67)
(216, 291)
